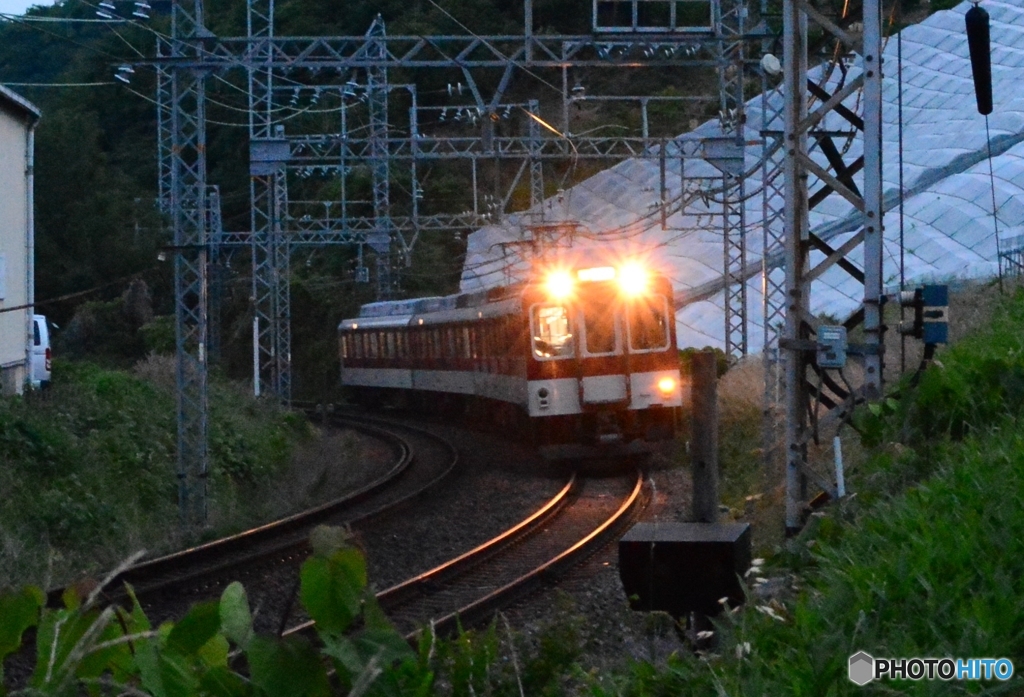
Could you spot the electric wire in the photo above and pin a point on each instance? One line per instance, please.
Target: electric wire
(25, 18)
(899, 138)
(32, 25)
(56, 84)
(995, 212)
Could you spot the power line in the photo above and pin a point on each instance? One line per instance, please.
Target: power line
(57, 84)
(77, 294)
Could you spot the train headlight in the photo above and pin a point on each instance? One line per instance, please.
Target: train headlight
(633, 279)
(667, 385)
(559, 284)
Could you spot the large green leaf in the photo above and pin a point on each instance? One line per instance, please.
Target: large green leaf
(57, 636)
(289, 667)
(214, 653)
(18, 612)
(235, 618)
(165, 674)
(223, 682)
(195, 629)
(113, 658)
(332, 589)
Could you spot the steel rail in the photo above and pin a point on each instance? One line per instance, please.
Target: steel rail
(258, 544)
(478, 610)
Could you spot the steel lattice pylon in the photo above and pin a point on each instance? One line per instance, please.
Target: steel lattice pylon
(814, 400)
(731, 27)
(383, 242)
(182, 134)
(773, 288)
(271, 251)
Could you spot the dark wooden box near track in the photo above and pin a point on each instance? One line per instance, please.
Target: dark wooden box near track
(681, 568)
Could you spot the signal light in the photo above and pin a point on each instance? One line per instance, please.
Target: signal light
(667, 385)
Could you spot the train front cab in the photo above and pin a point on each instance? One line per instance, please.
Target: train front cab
(603, 378)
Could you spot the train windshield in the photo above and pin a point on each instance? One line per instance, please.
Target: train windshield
(600, 325)
(648, 323)
(551, 335)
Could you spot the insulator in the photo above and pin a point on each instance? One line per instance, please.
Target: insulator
(981, 57)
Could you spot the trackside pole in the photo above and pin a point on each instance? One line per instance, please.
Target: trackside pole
(704, 437)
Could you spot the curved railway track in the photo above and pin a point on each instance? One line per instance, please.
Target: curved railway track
(168, 584)
(468, 589)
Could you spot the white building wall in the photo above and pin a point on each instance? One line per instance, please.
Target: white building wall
(15, 244)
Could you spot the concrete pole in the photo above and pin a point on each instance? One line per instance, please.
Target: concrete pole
(704, 437)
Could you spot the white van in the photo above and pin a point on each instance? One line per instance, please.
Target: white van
(41, 354)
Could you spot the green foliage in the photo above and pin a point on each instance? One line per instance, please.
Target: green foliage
(972, 385)
(81, 648)
(927, 560)
(686, 359)
(89, 465)
(158, 335)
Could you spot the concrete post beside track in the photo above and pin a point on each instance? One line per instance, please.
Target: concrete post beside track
(704, 437)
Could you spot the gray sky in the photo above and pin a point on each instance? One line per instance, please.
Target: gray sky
(18, 7)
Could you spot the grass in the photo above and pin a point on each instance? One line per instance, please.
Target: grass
(89, 468)
(926, 560)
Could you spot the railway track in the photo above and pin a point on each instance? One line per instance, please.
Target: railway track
(468, 589)
(169, 584)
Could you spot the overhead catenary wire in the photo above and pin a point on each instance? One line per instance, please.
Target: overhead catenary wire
(56, 84)
(995, 211)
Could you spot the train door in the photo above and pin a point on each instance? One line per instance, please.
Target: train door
(603, 358)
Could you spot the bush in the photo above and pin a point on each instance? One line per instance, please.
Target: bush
(90, 465)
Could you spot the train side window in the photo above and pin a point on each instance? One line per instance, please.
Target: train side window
(373, 344)
(467, 345)
(344, 347)
(648, 320)
(550, 329)
(390, 336)
(357, 345)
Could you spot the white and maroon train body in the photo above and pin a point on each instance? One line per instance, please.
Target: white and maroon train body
(586, 358)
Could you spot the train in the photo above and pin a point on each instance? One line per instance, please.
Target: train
(580, 359)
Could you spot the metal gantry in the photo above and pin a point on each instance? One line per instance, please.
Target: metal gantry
(279, 223)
